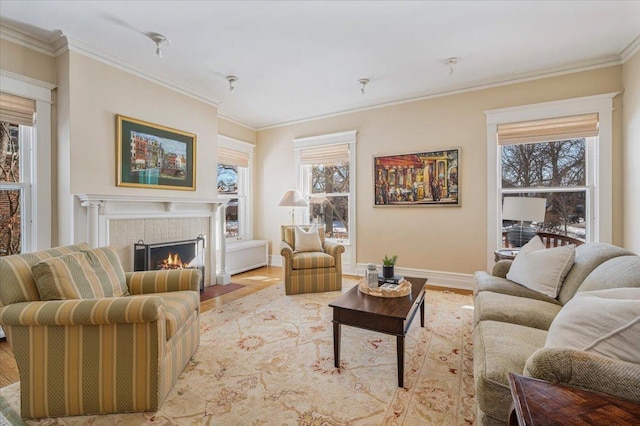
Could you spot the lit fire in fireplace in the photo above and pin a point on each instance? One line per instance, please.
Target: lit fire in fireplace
(173, 261)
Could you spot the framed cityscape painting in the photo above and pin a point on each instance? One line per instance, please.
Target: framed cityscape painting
(154, 156)
(428, 178)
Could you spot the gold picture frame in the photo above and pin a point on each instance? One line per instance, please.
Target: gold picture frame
(154, 156)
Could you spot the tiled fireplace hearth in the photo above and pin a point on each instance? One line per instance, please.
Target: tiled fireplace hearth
(122, 221)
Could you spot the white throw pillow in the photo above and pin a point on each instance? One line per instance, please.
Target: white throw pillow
(606, 322)
(542, 269)
(307, 240)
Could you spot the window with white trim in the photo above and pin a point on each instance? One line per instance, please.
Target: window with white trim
(234, 177)
(550, 159)
(581, 192)
(325, 166)
(16, 135)
(325, 177)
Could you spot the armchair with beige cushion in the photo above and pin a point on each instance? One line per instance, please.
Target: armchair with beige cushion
(311, 264)
(89, 338)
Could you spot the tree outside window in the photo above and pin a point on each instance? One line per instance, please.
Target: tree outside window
(555, 171)
(10, 196)
(228, 186)
(329, 198)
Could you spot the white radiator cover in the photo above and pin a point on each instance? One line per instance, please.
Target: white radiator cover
(245, 255)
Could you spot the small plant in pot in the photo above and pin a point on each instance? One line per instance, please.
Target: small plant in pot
(388, 264)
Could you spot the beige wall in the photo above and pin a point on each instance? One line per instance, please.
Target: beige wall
(97, 93)
(441, 238)
(236, 131)
(631, 151)
(27, 62)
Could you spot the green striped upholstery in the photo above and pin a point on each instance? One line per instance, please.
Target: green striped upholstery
(163, 281)
(310, 272)
(84, 275)
(313, 260)
(178, 306)
(103, 355)
(17, 282)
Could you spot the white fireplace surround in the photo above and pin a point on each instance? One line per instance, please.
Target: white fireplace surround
(102, 209)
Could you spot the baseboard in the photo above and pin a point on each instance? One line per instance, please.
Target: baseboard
(436, 278)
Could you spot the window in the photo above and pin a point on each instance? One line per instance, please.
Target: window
(234, 177)
(560, 151)
(325, 166)
(16, 131)
(325, 183)
(551, 159)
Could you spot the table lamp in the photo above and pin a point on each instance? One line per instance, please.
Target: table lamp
(523, 209)
(293, 198)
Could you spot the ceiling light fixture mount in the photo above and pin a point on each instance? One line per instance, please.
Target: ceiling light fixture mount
(232, 82)
(160, 41)
(363, 82)
(450, 62)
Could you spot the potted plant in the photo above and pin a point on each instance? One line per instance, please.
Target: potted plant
(388, 264)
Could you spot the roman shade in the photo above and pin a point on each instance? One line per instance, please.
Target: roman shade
(16, 109)
(552, 129)
(326, 154)
(232, 157)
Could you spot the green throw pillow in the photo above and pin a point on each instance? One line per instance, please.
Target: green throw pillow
(90, 274)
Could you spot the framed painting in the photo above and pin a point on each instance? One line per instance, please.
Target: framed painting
(154, 156)
(429, 178)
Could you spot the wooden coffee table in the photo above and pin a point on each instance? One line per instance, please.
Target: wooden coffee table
(384, 315)
(536, 402)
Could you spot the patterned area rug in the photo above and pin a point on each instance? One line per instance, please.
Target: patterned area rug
(268, 359)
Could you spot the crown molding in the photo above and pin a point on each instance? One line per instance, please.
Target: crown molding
(122, 64)
(61, 43)
(22, 39)
(505, 80)
(630, 50)
(234, 121)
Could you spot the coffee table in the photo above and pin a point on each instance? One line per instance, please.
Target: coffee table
(384, 315)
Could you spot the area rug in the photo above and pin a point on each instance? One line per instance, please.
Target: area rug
(218, 290)
(267, 359)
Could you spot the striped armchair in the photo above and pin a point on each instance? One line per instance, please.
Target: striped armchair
(310, 272)
(96, 355)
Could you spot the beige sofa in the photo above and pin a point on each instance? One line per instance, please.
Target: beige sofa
(116, 346)
(511, 324)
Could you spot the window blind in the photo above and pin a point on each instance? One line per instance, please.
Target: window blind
(232, 157)
(327, 154)
(552, 129)
(16, 109)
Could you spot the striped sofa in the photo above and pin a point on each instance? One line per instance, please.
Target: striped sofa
(310, 272)
(92, 354)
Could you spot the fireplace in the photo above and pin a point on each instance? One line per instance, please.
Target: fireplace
(170, 255)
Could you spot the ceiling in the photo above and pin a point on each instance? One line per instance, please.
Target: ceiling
(297, 60)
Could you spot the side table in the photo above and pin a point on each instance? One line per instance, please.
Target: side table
(536, 402)
(505, 254)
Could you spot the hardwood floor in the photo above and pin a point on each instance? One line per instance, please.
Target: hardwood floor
(252, 281)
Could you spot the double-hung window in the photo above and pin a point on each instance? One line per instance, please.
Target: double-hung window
(234, 185)
(16, 137)
(552, 159)
(326, 165)
(559, 151)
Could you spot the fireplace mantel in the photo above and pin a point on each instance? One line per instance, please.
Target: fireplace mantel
(102, 208)
(132, 204)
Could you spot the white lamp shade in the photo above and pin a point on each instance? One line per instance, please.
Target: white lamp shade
(293, 198)
(525, 209)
